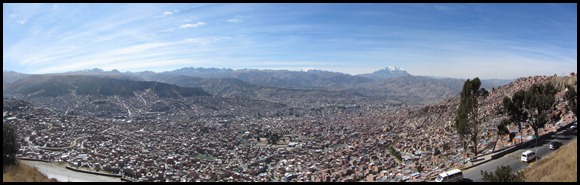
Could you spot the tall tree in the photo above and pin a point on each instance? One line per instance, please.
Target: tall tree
(570, 96)
(514, 108)
(502, 131)
(539, 101)
(468, 117)
(9, 145)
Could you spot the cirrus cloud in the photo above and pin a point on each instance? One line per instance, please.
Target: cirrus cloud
(198, 24)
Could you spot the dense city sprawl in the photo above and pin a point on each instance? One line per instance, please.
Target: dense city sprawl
(147, 138)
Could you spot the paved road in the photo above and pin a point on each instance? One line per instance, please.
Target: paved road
(72, 144)
(60, 173)
(513, 159)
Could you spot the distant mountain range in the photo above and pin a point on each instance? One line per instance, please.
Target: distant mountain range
(278, 78)
(391, 84)
(58, 85)
(236, 88)
(387, 72)
(11, 76)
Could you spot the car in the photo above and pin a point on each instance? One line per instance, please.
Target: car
(554, 145)
(474, 159)
(528, 156)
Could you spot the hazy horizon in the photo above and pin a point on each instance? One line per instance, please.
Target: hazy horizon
(489, 41)
(299, 70)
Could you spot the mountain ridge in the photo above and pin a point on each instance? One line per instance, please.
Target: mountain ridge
(55, 85)
(387, 72)
(261, 84)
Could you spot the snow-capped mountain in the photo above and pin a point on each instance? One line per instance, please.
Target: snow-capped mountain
(387, 72)
(395, 69)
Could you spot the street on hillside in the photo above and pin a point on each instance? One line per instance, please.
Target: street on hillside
(513, 159)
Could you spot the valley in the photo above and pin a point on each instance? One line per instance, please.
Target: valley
(155, 133)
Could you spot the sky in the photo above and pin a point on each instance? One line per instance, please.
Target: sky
(489, 41)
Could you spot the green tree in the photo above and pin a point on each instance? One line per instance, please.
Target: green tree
(273, 138)
(502, 131)
(468, 119)
(502, 174)
(512, 136)
(570, 96)
(514, 108)
(395, 154)
(9, 145)
(539, 101)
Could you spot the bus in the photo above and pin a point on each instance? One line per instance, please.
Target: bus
(454, 175)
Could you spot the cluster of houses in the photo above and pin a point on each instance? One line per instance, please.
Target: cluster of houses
(345, 147)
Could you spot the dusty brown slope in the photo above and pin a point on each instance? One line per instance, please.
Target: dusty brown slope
(559, 166)
(24, 173)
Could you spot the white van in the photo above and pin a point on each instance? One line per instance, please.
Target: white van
(454, 175)
(528, 156)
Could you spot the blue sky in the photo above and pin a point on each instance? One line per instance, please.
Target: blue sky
(448, 40)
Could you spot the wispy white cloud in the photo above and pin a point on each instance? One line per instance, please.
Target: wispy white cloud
(23, 14)
(198, 24)
(186, 25)
(362, 41)
(234, 20)
(444, 8)
(133, 56)
(51, 47)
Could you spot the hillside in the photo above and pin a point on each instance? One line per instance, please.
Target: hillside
(412, 130)
(11, 76)
(441, 115)
(57, 85)
(235, 88)
(391, 84)
(24, 173)
(559, 166)
(413, 90)
(403, 89)
(319, 79)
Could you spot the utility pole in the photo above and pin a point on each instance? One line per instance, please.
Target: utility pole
(537, 135)
(536, 159)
